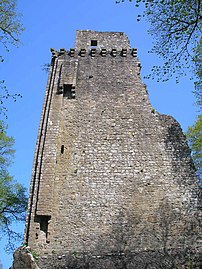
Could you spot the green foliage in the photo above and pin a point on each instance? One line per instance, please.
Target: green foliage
(5, 95)
(35, 254)
(198, 72)
(176, 27)
(194, 136)
(25, 244)
(194, 133)
(10, 29)
(10, 24)
(13, 200)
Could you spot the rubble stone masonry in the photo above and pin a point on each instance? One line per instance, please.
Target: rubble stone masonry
(111, 175)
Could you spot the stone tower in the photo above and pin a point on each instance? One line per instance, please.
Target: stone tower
(111, 176)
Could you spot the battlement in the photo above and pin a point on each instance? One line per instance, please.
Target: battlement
(72, 52)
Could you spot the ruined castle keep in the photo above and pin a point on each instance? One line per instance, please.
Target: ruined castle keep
(110, 174)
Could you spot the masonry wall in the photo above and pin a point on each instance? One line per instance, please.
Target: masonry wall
(110, 173)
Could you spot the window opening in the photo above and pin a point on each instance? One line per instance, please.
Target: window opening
(43, 222)
(62, 149)
(69, 91)
(93, 43)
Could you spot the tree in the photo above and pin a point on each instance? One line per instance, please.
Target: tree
(13, 199)
(10, 24)
(176, 26)
(4, 95)
(198, 73)
(194, 136)
(10, 29)
(194, 133)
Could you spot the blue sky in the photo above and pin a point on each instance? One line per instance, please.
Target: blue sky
(51, 23)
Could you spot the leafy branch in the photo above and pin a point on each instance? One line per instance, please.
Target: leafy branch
(176, 33)
(5, 95)
(10, 24)
(13, 199)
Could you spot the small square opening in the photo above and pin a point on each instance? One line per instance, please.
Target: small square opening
(69, 91)
(93, 43)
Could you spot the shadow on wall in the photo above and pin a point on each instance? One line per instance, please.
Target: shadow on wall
(171, 239)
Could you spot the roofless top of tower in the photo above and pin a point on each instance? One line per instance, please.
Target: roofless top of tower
(87, 39)
(113, 180)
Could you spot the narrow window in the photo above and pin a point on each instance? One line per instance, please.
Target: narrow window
(59, 77)
(93, 43)
(62, 149)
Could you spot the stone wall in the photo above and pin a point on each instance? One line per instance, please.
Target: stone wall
(111, 175)
(105, 40)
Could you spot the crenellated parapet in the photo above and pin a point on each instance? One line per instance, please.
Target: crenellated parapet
(68, 63)
(94, 52)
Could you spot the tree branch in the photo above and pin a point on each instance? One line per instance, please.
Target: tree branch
(9, 33)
